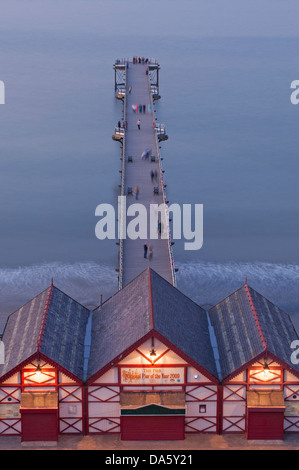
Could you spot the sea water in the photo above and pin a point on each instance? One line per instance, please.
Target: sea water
(233, 142)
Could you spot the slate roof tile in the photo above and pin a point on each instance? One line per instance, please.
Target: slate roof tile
(52, 323)
(148, 302)
(244, 330)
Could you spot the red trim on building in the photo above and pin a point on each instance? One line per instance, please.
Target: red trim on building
(39, 356)
(166, 342)
(264, 341)
(262, 355)
(150, 298)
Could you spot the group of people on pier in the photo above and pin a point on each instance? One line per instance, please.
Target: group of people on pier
(140, 60)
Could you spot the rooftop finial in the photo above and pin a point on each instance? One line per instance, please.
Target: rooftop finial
(52, 281)
(245, 280)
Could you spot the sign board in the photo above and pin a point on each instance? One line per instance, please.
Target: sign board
(292, 408)
(9, 410)
(39, 400)
(152, 375)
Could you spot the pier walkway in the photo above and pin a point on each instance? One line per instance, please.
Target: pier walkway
(136, 89)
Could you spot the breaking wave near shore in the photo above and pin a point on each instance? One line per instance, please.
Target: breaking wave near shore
(204, 282)
(207, 283)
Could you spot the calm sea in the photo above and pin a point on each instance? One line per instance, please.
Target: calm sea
(233, 144)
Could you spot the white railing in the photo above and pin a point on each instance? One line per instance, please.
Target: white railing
(144, 60)
(120, 91)
(122, 61)
(160, 129)
(165, 202)
(122, 209)
(119, 131)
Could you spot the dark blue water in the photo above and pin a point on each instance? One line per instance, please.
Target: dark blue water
(233, 142)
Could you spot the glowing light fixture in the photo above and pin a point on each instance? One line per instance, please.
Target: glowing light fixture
(266, 370)
(153, 352)
(38, 369)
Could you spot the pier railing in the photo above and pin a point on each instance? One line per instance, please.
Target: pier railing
(119, 131)
(159, 131)
(122, 208)
(161, 127)
(126, 60)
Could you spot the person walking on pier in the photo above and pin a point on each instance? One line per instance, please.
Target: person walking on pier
(138, 124)
(159, 227)
(145, 250)
(136, 192)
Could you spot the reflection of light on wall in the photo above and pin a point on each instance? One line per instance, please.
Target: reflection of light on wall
(266, 371)
(38, 372)
(153, 354)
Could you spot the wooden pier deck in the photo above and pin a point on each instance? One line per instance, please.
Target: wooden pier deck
(137, 89)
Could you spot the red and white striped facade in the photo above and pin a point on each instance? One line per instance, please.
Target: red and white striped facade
(130, 373)
(137, 372)
(51, 379)
(234, 392)
(210, 407)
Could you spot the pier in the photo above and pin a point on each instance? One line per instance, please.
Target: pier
(149, 363)
(137, 86)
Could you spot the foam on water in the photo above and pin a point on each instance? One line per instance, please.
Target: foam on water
(208, 282)
(84, 282)
(204, 282)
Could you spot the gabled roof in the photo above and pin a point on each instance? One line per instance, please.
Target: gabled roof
(246, 325)
(52, 324)
(149, 304)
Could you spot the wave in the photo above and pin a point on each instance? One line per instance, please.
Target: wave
(207, 282)
(84, 282)
(204, 282)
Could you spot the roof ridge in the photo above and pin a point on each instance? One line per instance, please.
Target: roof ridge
(255, 315)
(22, 306)
(177, 289)
(71, 298)
(271, 302)
(226, 297)
(119, 290)
(45, 315)
(151, 305)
